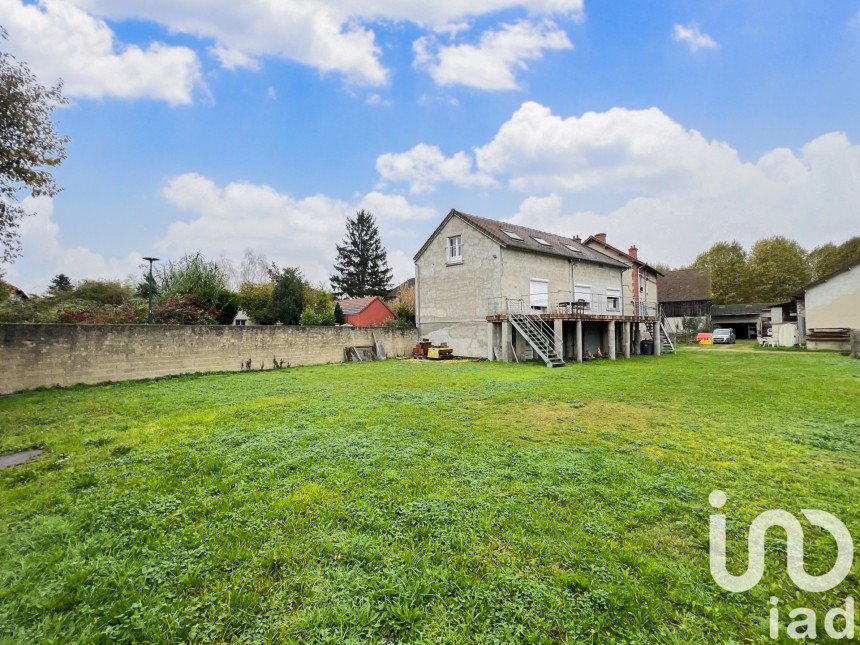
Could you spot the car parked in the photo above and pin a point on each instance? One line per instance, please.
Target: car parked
(725, 336)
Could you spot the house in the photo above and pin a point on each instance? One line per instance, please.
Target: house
(685, 298)
(828, 310)
(748, 320)
(506, 292)
(640, 283)
(242, 319)
(365, 312)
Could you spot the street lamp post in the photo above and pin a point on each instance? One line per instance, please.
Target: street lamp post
(149, 317)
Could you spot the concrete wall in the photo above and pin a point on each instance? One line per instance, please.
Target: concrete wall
(453, 299)
(834, 303)
(46, 355)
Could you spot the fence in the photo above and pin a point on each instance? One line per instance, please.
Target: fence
(580, 302)
(46, 355)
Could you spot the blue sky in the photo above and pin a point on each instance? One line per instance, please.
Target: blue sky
(222, 126)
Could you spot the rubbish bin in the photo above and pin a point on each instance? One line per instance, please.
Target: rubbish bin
(647, 347)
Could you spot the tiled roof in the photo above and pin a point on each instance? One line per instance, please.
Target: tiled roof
(592, 238)
(494, 229)
(684, 285)
(353, 306)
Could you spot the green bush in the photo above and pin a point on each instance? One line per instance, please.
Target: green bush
(320, 312)
(103, 292)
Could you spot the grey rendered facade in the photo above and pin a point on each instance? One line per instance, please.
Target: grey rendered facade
(474, 276)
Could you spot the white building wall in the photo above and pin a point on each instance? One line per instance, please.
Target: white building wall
(834, 303)
(453, 298)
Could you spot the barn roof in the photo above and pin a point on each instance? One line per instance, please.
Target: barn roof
(684, 285)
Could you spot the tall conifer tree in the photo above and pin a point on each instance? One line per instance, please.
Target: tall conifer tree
(361, 268)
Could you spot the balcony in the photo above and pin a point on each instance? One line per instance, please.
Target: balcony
(576, 306)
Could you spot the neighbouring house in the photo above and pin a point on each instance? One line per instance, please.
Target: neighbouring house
(685, 298)
(400, 289)
(747, 320)
(828, 310)
(506, 292)
(639, 284)
(242, 319)
(365, 312)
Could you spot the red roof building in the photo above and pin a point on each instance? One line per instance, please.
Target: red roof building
(366, 312)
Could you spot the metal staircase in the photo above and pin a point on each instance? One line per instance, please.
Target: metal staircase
(665, 337)
(542, 340)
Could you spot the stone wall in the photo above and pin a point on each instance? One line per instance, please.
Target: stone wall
(46, 355)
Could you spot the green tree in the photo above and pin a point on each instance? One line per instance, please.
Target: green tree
(60, 285)
(288, 298)
(29, 144)
(338, 314)
(320, 312)
(779, 268)
(730, 273)
(361, 268)
(830, 258)
(254, 300)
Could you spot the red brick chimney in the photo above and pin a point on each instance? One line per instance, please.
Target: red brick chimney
(633, 253)
(577, 239)
(601, 237)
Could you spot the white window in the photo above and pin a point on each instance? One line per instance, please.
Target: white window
(454, 250)
(613, 299)
(571, 247)
(512, 235)
(540, 240)
(582, 292)
(539, 294)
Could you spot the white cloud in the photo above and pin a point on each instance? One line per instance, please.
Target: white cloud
(328, 35)
(387, 208)
(645, 179)
(377, 100)
(233, 58)
(492, 64)
(811, 195)
(59, 40)
(44, 255)
(693, 37)
(424, 166)
(290, 231)
(617, 150)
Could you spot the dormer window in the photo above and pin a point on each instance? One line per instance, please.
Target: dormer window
(512, 235)
(454, 250)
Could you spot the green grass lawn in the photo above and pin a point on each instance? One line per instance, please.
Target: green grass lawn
(419, 501)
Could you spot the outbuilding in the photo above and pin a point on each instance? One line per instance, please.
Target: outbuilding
(828, 310)
(366, 312)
